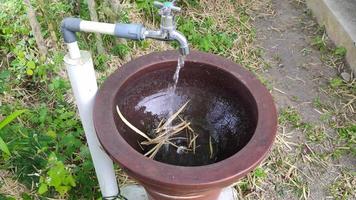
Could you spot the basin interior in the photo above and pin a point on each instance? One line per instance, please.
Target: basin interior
(221, 110)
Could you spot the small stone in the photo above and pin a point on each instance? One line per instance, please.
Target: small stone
(346, 76)
(280, 65)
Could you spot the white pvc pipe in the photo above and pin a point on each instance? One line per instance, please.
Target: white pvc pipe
(97, 27)
(73, 50)
(83, 81)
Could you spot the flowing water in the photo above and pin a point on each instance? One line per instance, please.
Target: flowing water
(180, 64)
(172, 90)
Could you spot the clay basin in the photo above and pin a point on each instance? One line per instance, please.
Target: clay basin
(227, 106)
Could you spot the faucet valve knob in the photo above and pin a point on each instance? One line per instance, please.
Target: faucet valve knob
(166, 7)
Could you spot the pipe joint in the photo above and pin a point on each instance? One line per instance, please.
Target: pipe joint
(69, 27)
(130, 31)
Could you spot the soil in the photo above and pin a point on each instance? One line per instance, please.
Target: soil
(297, 74)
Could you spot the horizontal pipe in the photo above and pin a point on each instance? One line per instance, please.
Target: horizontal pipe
(70, 26)
(97, 27)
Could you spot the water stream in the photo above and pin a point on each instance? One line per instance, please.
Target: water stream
(180, 64)
(172, 90)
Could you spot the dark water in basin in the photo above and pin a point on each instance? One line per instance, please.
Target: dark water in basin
(216, 113)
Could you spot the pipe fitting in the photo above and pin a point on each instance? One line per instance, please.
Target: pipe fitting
(130, 31)
(69, 27)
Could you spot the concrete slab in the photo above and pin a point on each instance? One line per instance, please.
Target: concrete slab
(339, 18)
(137, 192)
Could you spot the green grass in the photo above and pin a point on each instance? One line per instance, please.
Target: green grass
(313, 133)
(346, 143)
(291, 116)
(7, 120)
(50, 128)
(320, 43)
(344, 186)
(205, 36)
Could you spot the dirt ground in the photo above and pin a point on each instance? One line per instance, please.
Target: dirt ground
(297, 77)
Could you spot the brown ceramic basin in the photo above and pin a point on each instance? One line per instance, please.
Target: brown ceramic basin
(226, 102)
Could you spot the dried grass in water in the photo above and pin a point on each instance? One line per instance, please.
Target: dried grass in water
(166, 132)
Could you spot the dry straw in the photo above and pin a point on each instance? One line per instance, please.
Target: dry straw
(166, 133)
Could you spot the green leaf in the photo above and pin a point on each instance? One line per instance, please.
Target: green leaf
(4, 74)
(259, 173)
(21, 54)
(43, 188)
(340, 51)
(10, 118)
(26, 196)
(51, 134)
(336, 82)
(29, 72)
(3, 147)
(31, 65)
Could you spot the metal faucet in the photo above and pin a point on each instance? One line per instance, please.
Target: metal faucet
(168, 30)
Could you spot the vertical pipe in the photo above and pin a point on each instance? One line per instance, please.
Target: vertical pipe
(73, 50)
(81, 74)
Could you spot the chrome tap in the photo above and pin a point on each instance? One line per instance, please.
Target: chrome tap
(168, 30)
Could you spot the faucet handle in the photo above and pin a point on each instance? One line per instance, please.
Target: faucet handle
(166, 7)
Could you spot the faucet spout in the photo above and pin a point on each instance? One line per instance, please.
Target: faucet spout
(170, 36)
(182, 40)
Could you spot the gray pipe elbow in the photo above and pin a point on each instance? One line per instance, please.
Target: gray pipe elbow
(69, 27)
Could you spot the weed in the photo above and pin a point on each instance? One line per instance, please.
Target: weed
(344, 186)
(100, 61)
(4, 78)
(336, 82)
(204, 36)
(317, 103)
(340, 52)
(3, 123)
(290, 115)
(320, 43)
(346, 142)
(313, 133)
(56, 176)
(121, 50)
(259, 173)
(147, 7)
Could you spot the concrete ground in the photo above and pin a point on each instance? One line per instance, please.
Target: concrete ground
(339, 19)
